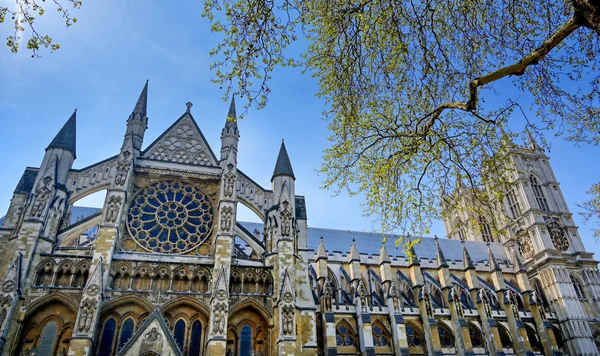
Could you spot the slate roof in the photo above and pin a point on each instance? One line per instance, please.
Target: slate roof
(369, 243)
(27, 180)
(283, 166)
(66, 137)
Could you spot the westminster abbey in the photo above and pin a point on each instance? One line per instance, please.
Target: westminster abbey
(166, 268)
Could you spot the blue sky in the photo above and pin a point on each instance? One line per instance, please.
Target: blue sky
(116, 45)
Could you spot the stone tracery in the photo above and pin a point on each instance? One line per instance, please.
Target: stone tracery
(170, 217)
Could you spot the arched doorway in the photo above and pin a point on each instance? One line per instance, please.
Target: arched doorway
(248, 331)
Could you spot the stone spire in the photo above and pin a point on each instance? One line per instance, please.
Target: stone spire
(532, 141)
(231, 115)
(66, 137)
(440, 255)
(467, 258)
(283, 166)
(493, 263)
(414, 259)
(142, 103)
(321, 252)
(137, 123)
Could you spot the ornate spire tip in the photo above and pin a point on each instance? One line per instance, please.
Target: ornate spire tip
(188, 106)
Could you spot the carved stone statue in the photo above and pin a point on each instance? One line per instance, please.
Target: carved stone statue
(226, 215)
(327, 293)
(41, 196)
(114, 204)
(122, 169)
(229, 182)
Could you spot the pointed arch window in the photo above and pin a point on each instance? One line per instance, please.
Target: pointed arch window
(344, 335)
(513, 203)
(196, 340)
(179, 333)
(538, 193)
(534, 340)
(476, 337)
(578, 288)
(446, 336)
(381, 336)
(108, 336)
(246, 341)
(47, 339)
(486, 229)
(126, 332)
(413, 336)
(540, 292)
(505, 339)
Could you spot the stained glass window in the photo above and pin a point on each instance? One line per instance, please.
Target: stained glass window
(246, 341)
(413, 337)
(196, 339)
(504, 337)
(534, 340)
(513, 204)
(170, 217)
(380, 337)
(179, 333)
(108, 336)
(486, 230)
(344, 336)
(539, 193)
(446, 336)
(578, 288)
(476, 337)
(47, 340)
(126, 332)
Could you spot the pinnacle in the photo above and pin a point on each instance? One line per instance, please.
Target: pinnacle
(283, 166)
(67, 136)
(142, 102)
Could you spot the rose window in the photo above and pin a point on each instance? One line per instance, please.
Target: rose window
(170, 217)
(525, 245)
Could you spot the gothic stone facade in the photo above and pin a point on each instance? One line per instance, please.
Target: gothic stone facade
(165, 267)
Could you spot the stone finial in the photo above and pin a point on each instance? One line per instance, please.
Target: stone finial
(384, 256)
(518, 263)
(142, 103)
(354, 256)
(493, 263)
(440, 255)
(321, 252)
(466, 257)
(188, 106)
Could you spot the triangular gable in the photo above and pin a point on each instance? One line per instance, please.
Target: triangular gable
(152, 338)
(12, 280)
(94, 285)
(183, 142)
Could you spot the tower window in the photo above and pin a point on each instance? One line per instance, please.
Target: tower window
(578, 288)
(486, 230)
(513, 203)
(539, 193)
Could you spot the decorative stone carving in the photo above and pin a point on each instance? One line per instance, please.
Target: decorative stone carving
(327, 293)
(287, 316)
(86, 315)
(395, 295)
(220, 313)
(512, 299)
(455, 296)
(558, 236)
(525, 244)
(361, 292)
(182, 144)
(229, 182)
(486, 302)
(286, 220)
(226, 217)
(123, 169)
(152, 337)
(113, 207)
(427, 302)
(41, 196)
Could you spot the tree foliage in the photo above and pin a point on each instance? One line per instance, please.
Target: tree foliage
(405, 85)
(23, 17)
